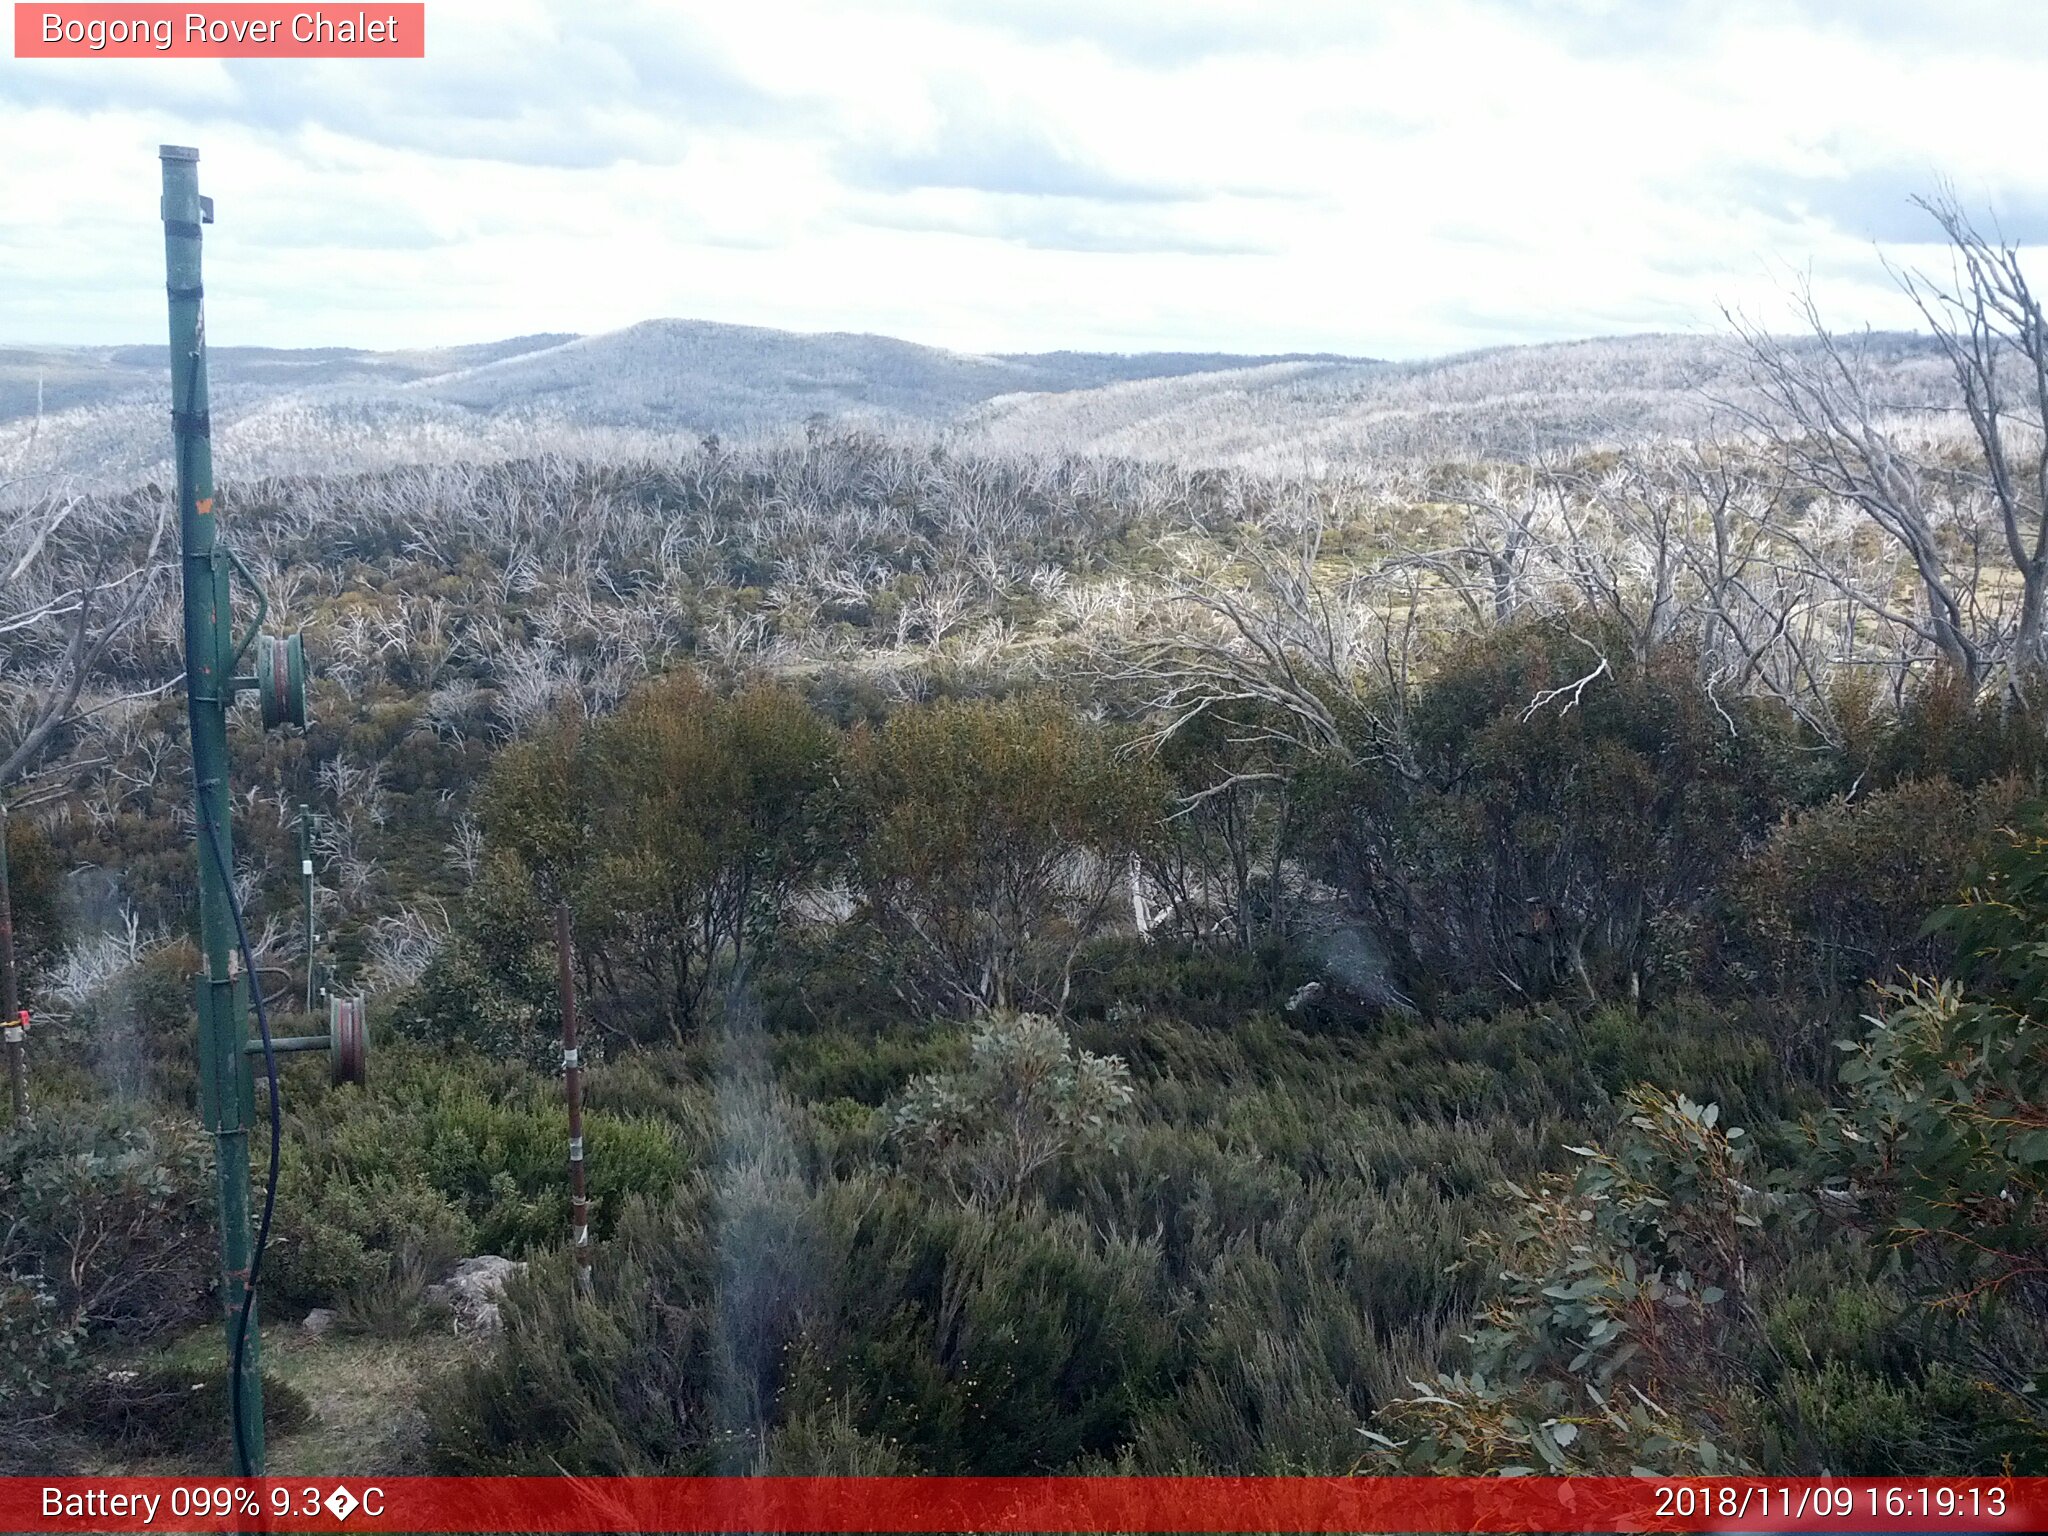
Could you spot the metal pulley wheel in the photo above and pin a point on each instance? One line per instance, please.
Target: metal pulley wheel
(281, 679)
(348, 1051)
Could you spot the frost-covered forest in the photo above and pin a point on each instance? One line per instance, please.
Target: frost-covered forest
(653, 389)
(1316, 916)
(93, 416)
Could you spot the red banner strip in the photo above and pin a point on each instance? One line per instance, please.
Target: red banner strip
(1023, 1504)
(368, 31)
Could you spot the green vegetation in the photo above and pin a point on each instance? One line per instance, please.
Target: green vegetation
(1058, 1056)
(453, 1155)
(107, 1239)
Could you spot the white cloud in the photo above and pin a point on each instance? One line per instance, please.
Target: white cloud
(1395, 180)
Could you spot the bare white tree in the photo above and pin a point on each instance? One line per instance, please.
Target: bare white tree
(1291, 658)
(74, 588)
(1836, 433)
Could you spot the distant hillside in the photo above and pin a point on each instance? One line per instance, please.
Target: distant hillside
(694, 374)
(73, 377)
(1502, 403)
(335, 409)
(1087, 370)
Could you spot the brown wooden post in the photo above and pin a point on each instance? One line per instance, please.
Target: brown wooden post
(572, 1079)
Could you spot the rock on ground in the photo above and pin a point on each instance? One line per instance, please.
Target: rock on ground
(472, 1289)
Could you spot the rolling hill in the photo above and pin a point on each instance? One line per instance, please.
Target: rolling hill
(1502, 403)
(68, 378)
(335, 409)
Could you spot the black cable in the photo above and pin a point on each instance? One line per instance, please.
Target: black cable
(227, 879)
(244, 1461)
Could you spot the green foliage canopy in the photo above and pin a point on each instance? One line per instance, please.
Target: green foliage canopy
(990, 838)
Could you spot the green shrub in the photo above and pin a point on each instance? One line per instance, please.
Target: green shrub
(451, 1155)
(838, 981)
(491, 988)
(1857, 1379)
(1841, 1420)
(1300, 1325)
(945, 1340)
(1574, 848)
(1941, 1139)
(181, 1413)
(1195, 984)
(1530, 1066)
(131, 1040)
(825, 1442)
(108, 1235)
(1825, 1307)
(1942, 732)
(43, 1347)
(999, 1344)
(1840, 893)
(1610, 1346)
(34, 880)
(110, 1213)
(400, 1303)
(1025, 1102)
(340, 1236)
(987, 842)
(869, 1068)
(679, 829)
(1221, 865)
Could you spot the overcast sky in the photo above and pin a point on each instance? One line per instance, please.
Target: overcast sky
(1380, 178)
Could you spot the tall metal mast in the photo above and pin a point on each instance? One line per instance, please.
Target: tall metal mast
(227, 1088)
(226, 1082)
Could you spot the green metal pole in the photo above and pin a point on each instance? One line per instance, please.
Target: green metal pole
(10, 998)
(306, 894)
(226, 1082)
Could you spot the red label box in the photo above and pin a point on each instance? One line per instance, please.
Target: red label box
(239, 31)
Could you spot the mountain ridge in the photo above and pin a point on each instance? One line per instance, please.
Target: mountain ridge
(757, 362)
(641, 388)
